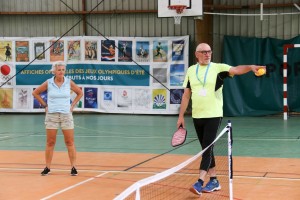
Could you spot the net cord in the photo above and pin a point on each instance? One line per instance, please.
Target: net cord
(136, 186)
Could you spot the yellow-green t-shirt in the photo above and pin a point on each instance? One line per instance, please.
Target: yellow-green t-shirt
(206, 102)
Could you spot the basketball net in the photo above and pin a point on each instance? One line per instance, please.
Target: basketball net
(177, 19)
(179, 9)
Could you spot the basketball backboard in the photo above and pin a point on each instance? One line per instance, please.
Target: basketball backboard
(193, 8)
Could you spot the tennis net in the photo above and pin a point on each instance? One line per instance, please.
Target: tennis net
(175, 182)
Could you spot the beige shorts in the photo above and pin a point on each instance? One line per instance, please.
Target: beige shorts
(59, 120)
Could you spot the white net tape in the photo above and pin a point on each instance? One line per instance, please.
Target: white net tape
(177, 19)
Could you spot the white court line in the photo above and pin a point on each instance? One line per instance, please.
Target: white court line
(265, 139)
(149, 137)
(147, 172)
(268, 178)
(110, 136)
(73, 186)
(82, 170)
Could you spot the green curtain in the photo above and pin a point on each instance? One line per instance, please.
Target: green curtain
(248, 95)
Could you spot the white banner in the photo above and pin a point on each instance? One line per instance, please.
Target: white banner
(117, 75)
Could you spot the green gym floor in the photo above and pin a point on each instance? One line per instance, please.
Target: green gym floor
(253, 136)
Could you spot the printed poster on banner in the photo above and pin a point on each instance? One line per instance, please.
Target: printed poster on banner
(91, 49)
(6, 73)
(160, 51)
(159, 97)
(125, 51)
(23, 98)
(22, 51)
(142, 51)
(6, 51)
(177, 50)
(37, 104)
(124, 99)
(73, 50)
(6, 98)
(108, 51)
(177, 74)
(57, 51)
(91, 97)
(39, 51)
(142, 99)
(108, 99)
(175, 98)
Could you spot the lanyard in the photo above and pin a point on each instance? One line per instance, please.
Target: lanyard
(204, 81)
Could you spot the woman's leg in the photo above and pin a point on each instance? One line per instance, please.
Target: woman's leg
(50, 144)
(69, 141)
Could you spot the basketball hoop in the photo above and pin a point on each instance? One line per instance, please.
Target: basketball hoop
(179, 9)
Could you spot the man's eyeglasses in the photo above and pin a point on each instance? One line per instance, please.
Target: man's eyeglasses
(205, 52)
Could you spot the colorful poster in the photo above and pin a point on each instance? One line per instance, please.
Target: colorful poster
(175, 98)
(125, 51)
(6, 74)
(160, 51)
(108, 51)
(159, 99)
(142, 51)
(177, 50)
(74, 50)
(39, 51)
(22, 51)
(91, 49)
(37, 104)
(108, 99)
(91, 97)
(6, 98)
(177, 74)
(5, 51)
(57, 51)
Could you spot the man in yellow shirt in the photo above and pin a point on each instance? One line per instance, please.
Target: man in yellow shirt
(207, 108)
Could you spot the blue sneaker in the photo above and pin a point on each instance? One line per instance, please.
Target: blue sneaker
(197, 188)
(212, 185)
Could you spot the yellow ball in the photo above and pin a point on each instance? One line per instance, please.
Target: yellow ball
(260, 72)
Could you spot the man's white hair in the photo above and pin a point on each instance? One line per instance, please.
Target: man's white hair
(58, 63)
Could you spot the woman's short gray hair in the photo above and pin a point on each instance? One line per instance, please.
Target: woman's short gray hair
(58, 63)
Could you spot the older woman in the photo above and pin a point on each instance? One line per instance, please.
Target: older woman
(59, 113)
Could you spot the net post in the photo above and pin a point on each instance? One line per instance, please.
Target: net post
(230, 168)
(285, 68)
(138, 194)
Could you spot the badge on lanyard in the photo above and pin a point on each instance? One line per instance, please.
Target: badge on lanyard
(202, 92)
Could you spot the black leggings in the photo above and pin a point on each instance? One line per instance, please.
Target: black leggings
(207, 129)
